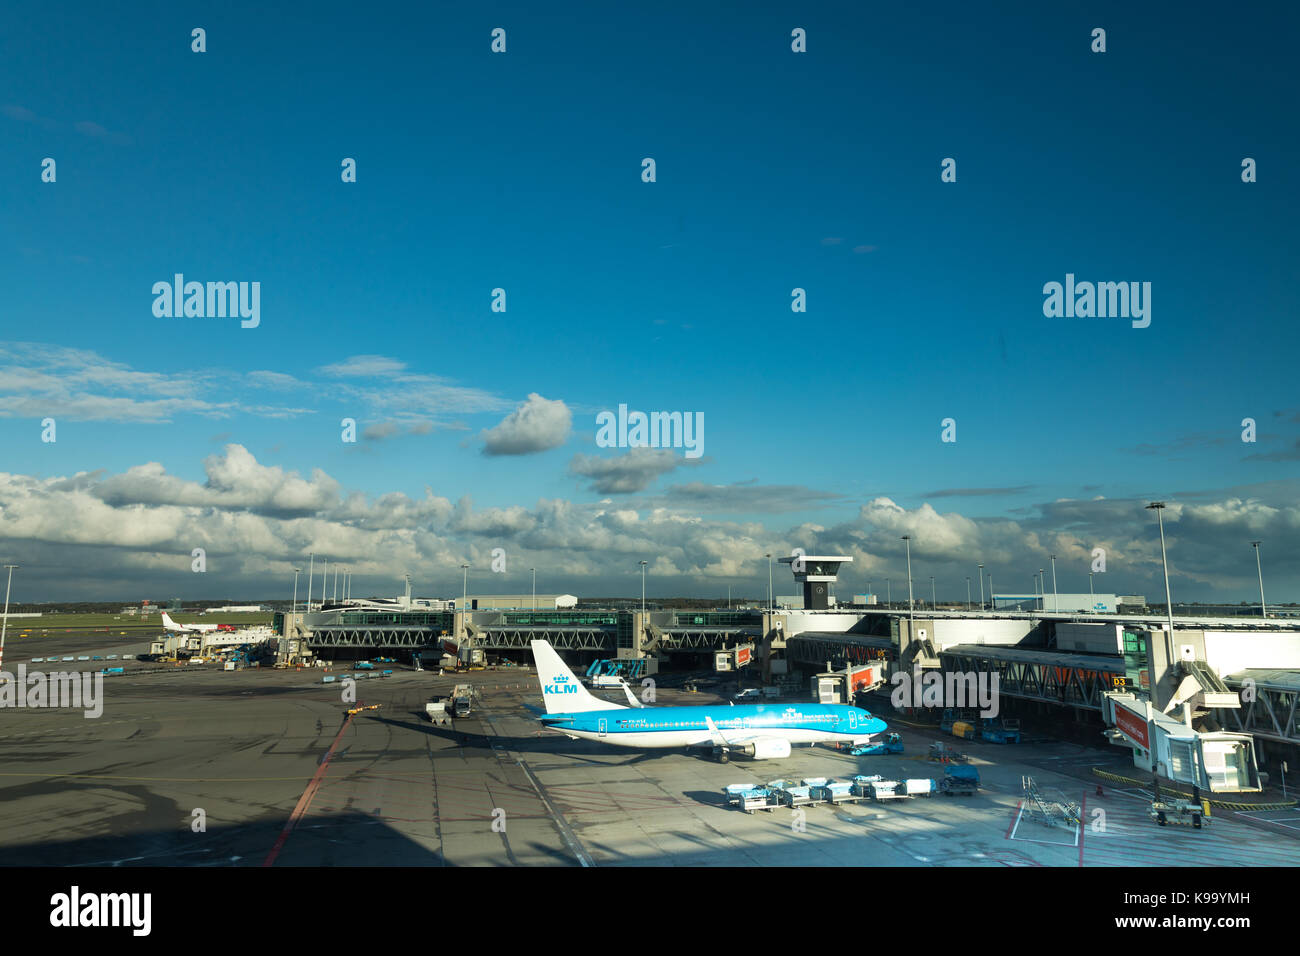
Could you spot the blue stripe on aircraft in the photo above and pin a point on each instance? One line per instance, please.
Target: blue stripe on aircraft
(830, 718)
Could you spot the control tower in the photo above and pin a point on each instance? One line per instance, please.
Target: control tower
(815, 572)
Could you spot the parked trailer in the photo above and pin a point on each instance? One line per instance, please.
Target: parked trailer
(837, 791)
(750, 797)
(920, 787)
(888, 790)
(960, 781)
(437, 711)
(964, 730)
(796, 796)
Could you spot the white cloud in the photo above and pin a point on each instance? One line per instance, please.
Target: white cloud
(130, 534)
(364, 366)
(539, 424)
(80, 385)
(630, 472)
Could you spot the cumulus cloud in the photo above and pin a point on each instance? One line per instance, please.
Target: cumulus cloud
(129, 534)
(539, 424)
(630, 472)
(235, 480)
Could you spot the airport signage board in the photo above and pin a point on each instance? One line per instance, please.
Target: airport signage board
(1133, 726)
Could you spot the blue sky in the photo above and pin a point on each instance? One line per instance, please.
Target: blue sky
(775, 170)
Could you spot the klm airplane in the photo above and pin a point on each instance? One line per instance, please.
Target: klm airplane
(760, 731)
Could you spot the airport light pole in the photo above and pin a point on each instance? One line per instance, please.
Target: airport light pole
(5, 626)
(981, 567)
(336, 584)
(464, 586)
(310, 568)
(968, 592)
(643, 567)
(1056, 598)
(1042, 589)
(1159, 507)
(1263, 608)
(934, 601)
(908, 538)
(771, 606)
(889, 593)
(296, 572)
(992, 600)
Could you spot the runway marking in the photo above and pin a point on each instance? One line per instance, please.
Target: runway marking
(123, 776)
(1016, 826)
(1083, 815)
(1014, 820)
(307, 795)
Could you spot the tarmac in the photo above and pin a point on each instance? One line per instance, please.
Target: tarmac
(190, 765)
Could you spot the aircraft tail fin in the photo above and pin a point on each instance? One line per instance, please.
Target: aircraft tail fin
(562, 692)
(169, 623)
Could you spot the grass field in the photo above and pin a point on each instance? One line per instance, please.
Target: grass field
(125, 622)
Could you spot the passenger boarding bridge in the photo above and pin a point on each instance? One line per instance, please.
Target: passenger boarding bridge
(1232, 674)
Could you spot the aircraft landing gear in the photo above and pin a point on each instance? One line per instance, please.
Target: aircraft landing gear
(721, 755)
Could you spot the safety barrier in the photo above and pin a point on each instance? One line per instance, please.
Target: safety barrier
(1165, 787)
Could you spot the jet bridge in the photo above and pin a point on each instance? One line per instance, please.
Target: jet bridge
(1216, 761)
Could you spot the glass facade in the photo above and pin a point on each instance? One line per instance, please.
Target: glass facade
(1137, 672)
(438, 620)
(626, 632)
(564, 618)
(717, 618)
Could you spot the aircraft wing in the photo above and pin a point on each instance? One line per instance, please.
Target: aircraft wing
(716, 734)
(732, 738)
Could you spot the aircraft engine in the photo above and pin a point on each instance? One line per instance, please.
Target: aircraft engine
(768, 748)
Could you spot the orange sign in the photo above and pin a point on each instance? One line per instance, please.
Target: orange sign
(1133, 726)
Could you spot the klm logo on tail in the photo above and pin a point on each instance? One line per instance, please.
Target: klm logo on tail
(561, 685)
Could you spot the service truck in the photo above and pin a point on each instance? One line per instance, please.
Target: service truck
(460, 700)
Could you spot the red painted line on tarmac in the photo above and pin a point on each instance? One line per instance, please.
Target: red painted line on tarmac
(1014, 817)
(307, 795)
(1083, 826)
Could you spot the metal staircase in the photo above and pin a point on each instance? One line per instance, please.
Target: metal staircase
(1051, 813)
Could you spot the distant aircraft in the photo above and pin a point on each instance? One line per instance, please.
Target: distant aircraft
(170, 625)
(761, 731)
